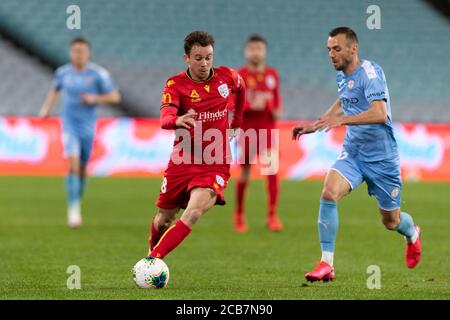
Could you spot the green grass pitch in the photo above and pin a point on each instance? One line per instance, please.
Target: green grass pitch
(36, 247)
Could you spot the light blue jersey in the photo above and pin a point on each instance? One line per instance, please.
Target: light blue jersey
(78, 118)
(367, 142)
(370, 151)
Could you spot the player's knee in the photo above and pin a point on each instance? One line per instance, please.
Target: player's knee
(245, 174)
(164, 222)
(73, 170)
(165, 219)
(330, 193)
(391, 223)
(192, 215)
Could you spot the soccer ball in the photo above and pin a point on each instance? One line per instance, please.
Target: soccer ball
(150, 273)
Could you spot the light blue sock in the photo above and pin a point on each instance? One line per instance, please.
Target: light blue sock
(82, 186)
(73, 189)
(406, 225)
(328, 224)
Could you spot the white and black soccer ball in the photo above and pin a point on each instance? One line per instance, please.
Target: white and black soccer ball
(151, 273)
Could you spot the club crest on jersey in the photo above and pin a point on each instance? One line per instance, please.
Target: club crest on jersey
(223, 90)
(351, 83)
(270, 82)
(220, 180)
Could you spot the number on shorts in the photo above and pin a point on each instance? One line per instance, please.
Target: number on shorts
(164, 185)
(343, 155)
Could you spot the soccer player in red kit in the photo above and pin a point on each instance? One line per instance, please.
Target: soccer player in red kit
(194, 104)
(261, 111)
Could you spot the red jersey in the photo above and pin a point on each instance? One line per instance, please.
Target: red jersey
(209, 100)
(261, 86)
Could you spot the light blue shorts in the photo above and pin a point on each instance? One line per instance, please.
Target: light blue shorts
(382, 177)
(76, 145)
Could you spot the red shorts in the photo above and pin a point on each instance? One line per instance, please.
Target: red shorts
(178, 183)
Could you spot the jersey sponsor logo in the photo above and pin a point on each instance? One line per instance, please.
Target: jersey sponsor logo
(350, 100)
(375, 94)
(195, 96)
(223, 90)
(250, 82)
(166, 98)
(212, 116)
(170, 83)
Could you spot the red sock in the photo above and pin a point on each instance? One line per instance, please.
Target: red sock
(241, 186)
(155, 235)
(272, 189)
(171, 239)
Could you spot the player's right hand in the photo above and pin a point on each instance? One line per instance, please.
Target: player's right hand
(186, 121)
(299, 130)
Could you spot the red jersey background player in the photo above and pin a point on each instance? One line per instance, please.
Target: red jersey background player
(194, 104)
(262, 110)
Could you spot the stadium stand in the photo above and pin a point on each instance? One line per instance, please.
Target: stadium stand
(25, 82)
(140, 42)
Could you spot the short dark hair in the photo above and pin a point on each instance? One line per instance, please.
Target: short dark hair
(256, 38)
(349, 33)
(80, 40)
(201, 38)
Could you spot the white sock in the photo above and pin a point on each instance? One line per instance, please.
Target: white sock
(328, 256)
(414, 236)
(75, 209)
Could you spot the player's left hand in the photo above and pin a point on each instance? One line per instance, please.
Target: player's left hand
(327, 123)
(89, 98)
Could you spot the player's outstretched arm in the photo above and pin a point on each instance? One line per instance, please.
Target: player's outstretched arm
(112, 97)
(333, 112)
(48, 103)
(170, 120)
(376, 114)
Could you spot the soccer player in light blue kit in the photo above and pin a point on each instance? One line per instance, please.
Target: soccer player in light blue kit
(83, 85)
(369, 153)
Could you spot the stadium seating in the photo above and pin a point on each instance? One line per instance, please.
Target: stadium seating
(141, 43)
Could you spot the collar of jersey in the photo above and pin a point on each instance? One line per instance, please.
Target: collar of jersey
(88, 65)
(355, 71)
(211, 74)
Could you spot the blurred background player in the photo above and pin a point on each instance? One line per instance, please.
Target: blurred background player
(262, 110)
(195, 99)
(83, 85)
(369, 153)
